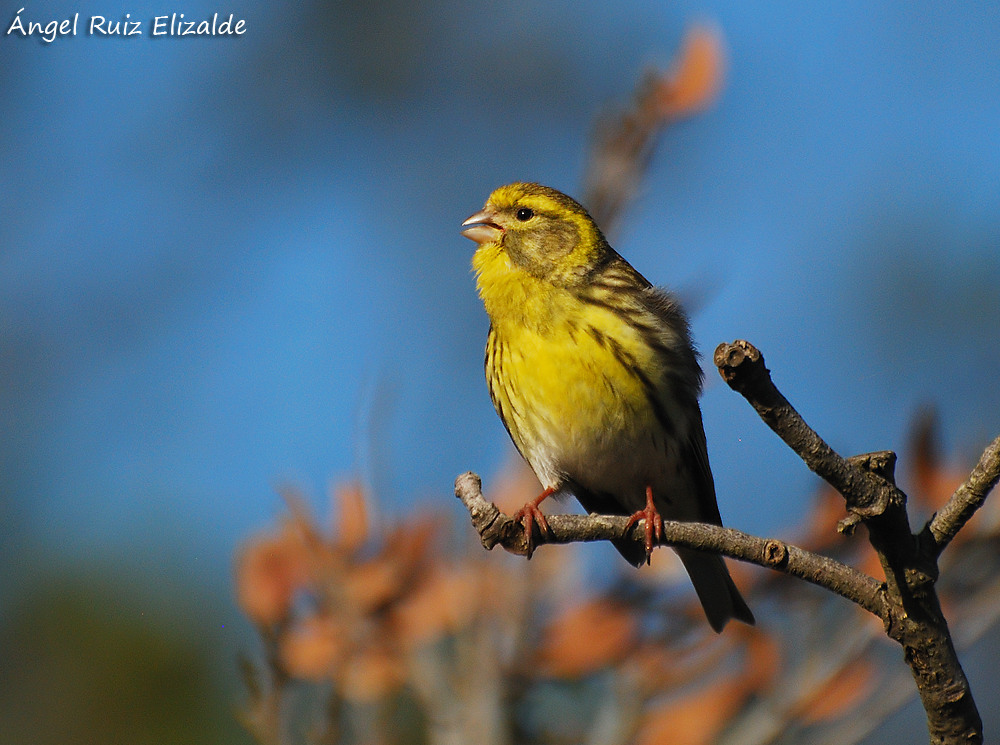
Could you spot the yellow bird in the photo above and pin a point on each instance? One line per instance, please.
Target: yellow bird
(594, 375)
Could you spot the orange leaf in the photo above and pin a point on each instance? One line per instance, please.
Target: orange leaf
(445, 601)
(839, 695)
(412, 545)
(372, 674)
(821, 521)
(696, 78)
(372, 584)
(351, 515)
(268, 572)
(586, 638)
(870, 564)
(763, 660)
(693, 719)
(933, 481)
(312, 648)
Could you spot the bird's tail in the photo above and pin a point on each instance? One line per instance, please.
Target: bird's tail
(716, 590)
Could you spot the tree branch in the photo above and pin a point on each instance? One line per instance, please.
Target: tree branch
(968, 498)
(865, 481)
(742, 367)
(496, 528)
(914, 618)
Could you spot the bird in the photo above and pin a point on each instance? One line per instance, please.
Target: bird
(594, 375)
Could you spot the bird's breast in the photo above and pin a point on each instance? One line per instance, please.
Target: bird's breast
(579, 396)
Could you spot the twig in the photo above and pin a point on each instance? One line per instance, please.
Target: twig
(623, 144)
(742, 367)
(968, 498)
(495, 528)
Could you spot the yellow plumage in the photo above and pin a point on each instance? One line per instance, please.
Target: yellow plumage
(592, 372)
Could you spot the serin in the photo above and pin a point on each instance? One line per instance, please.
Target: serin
(594, 375)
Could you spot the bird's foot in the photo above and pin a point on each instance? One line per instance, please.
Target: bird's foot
(530, 515)
(653, 523)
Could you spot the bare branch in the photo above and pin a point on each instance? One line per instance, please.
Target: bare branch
(865, 481)
(742, 366)
(968, 498)
(914, 618)
(495, 528)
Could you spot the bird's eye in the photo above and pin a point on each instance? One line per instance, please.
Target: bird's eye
(524, 214)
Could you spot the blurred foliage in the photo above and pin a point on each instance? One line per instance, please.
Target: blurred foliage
(88, 658)
(624, 142)
(383, 633)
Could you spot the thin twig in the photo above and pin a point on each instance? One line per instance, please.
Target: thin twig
(742, 367)
(968, 498)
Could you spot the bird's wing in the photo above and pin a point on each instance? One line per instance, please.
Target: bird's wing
(695, 456)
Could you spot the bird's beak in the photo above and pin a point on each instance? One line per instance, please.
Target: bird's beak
(482, 228)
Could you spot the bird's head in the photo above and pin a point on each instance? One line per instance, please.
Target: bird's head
(537, 230)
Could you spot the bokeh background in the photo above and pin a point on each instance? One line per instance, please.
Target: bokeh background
(227, 264)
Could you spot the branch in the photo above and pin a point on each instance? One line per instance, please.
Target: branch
(742, 367)
(914, 618)
(865, 481)
(968, 498)
(494, 527)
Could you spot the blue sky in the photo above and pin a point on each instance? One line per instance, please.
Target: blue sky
(231, 263)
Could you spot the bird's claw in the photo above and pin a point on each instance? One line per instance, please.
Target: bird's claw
(653, 524)
(529, 516)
